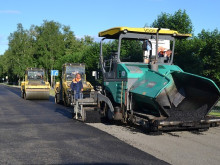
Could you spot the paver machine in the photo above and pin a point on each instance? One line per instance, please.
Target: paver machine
(35, 86)
(154, 93)
(84, 109)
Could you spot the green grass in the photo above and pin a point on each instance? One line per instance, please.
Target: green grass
(16, 86)
(215, 114)
(216, 110)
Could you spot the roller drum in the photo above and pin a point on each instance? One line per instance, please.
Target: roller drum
(37, 95)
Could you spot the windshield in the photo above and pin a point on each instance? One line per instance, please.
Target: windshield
(137, 50)
(71, 72)
(35, 75)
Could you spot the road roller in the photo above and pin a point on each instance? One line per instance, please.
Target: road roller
(85, 108)
(62, 88)
(154, 93)
(35, 86)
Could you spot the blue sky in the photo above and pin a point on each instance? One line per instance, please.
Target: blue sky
(88, 17)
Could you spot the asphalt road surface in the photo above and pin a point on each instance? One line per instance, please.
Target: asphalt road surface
(41, 132)
(179, 147)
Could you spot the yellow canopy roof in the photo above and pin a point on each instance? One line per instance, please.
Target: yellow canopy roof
(114, 32)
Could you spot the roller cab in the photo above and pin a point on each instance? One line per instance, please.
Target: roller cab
(35, 86)
(62, 88)
(83, 108)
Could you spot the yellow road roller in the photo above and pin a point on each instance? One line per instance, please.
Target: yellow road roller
(84, 109)
(62, 88)
(35, 86)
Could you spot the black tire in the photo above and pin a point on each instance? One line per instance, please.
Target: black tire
(66, 101)
(22, 94)
(107, 114)
(57, 101)
(105, 108)
(73, 115)
(25, 96)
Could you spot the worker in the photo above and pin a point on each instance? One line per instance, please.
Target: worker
(77, 86)
(146, 51)
(167, 55)
(161, 54)
(161, 51)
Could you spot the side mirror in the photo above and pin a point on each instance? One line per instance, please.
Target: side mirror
(95, 74)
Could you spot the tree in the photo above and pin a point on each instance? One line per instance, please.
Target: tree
(3, 67)
(199, 54)
(179, 21)
(185, 50)
(18, 54)
(49, 44)
(187, 55)
(131, 50)
(210, 54)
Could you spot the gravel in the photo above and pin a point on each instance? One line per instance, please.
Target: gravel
(174, 147)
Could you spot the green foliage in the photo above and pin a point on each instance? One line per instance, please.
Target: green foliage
(210, 54)
(178, 21)
(199, 54)
(187, 55)
(3, 66)
(51, 44)
(48, 46)
(18, 56)
(131, 50)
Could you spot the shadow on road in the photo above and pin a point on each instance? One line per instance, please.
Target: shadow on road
(14, 90)
(64, 112)
(50, 104)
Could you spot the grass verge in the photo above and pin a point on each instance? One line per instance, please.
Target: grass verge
(215, 114)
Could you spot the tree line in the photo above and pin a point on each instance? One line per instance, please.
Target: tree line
(201, 53)
(47, 46)
(51, 44)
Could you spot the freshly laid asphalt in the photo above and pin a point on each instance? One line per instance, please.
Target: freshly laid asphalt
(42, 132)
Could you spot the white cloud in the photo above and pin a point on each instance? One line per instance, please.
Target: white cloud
(9, 12)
